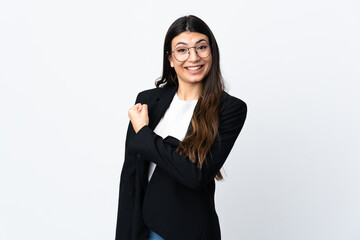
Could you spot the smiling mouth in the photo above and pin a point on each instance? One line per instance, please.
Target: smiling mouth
(194, 68)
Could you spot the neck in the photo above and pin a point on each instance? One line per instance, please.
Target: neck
(188, 91)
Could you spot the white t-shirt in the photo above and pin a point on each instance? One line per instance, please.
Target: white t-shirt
(175, 122)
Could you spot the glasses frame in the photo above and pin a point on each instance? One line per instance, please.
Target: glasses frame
(188, 51)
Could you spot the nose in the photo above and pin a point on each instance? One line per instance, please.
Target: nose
(193, 56)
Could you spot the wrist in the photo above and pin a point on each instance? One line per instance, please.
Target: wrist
(141, 127)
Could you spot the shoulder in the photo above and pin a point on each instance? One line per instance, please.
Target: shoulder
(232, 114)
(148, 94)
(150, 91)
(232, 103)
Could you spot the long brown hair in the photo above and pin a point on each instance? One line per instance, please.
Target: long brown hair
(205, 120)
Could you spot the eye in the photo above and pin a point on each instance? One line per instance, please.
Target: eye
(202, 47)
(181, 50)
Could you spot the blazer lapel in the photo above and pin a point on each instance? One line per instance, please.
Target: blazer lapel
(158, 106)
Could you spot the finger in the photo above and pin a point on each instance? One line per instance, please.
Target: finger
(137, 107)
(132, 109)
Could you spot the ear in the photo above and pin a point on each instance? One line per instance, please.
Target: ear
(171, 60)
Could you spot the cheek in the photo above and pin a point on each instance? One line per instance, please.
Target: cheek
(178, 67)
(209, 63)
(210, 60)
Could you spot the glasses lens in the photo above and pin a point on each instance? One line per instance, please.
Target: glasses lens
(203, 50)
(181, 54)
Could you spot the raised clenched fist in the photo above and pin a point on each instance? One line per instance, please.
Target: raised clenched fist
(139, 116)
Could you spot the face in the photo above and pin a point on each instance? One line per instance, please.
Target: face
(195, 68)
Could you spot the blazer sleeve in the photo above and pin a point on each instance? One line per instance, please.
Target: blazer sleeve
(150, 146)
(127, 189)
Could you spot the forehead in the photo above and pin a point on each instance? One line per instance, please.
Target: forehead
(189, 38)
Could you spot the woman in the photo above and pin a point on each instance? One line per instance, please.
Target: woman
(179, 136)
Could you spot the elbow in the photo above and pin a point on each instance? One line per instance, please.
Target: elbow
(200, 179)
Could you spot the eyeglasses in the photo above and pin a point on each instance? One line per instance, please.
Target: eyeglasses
(202, 49)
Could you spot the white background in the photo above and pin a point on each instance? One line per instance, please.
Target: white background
(69, 71)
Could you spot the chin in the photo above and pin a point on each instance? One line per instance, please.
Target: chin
(195, 80)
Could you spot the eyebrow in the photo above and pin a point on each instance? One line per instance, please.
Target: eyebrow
(195, 43)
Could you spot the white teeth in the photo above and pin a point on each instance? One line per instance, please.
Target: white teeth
(194, 68)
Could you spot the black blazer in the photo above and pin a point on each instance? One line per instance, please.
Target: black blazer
(178, 202)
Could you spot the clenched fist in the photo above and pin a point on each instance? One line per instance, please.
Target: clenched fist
(139, 116)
